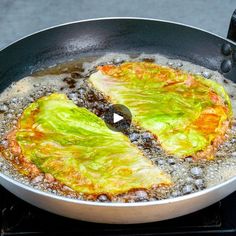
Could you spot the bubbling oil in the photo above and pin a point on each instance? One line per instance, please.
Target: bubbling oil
(187, 174)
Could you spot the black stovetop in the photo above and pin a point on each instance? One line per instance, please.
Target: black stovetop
(20, 218)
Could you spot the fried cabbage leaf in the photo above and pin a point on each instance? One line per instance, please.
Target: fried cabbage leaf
(76, 147)
(186, 112)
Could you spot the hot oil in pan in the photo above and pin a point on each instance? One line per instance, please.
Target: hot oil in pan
(71, 79)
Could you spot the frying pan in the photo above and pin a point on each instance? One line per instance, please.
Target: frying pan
(124, 35)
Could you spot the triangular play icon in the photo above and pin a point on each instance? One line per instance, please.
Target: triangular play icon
(117, 118)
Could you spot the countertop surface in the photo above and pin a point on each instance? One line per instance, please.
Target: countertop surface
(22, 17)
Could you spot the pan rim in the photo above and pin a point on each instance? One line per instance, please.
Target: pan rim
(116, 204)
(114, 18)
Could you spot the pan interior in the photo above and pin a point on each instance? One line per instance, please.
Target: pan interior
(71, 79)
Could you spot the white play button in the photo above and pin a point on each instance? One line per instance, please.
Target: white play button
(117, 118)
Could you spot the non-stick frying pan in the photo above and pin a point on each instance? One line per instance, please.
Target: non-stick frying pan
(130, 35)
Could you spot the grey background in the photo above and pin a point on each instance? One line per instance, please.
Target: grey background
(21, 17)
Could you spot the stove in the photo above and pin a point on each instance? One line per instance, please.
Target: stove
(20, 218)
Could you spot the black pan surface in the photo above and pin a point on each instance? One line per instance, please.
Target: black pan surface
(97, 37)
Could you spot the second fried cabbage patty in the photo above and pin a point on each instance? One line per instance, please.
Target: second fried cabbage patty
(76, 147)
(188, 114)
